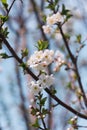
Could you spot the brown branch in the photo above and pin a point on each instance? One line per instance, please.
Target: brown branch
(36, 78)
(38, 19)
(8, 10)
(10, 7)
(15, 55)
(19, 83)
(65, 105)
(74, 61)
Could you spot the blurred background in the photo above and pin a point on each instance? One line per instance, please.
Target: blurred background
(24, 25)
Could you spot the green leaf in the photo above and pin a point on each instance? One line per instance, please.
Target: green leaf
(41, 45)
(69, 85)
(43, 100)
(24, 66)
(36, 124)
(45, 111)
(68, 16)
(56, 1)
(4, 55)
(44, 18)
(34, 111)
(3, 18)
(64, 10)
(53, 91)
(78, 38)
(67, 36)
(5, 32)
(24, 52)
(51, 6)
(4, 2)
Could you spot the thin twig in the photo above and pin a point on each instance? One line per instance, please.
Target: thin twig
(38, 19)
(74, 61)
(10, 7)
(8, 10)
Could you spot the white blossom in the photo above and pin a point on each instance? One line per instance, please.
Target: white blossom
(41, 59)
(54, 18)
(46, 80)
(50, 20)
(44, 116)
(71, 128)
(74, 118)
(43, 82)
(30, 106)
(38, 113)
(46, 28)
(31, 100)
(48, 56)
(35, 58)
(38, 117)
(34, 87)
(59, 60)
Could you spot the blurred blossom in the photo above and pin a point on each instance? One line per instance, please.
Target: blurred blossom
(58, 60)
(46, 28)
(71, 128)
(53, 19)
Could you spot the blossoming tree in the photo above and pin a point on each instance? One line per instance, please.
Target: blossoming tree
(53, 63)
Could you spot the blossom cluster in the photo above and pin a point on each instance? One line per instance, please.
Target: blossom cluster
(39, 61)
(43, 82)
(51, 20)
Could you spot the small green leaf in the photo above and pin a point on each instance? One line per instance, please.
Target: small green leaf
(3, 18)
(34, 111)
(69, 85)
(53, 91)
(36, 124)
(78, 38)
(4, 55)
(24, 52)
(68, 16)
(56, 1)
(24, 66)
(41, 45)
(67, 36)
(45, 111)
(4, 2)
(4, 32)
(51, 6)
(43, 100)
(64, 10)
(44, 18)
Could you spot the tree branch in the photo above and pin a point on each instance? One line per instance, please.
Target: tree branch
(38, 19)
(36, 78)
(74, 61)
